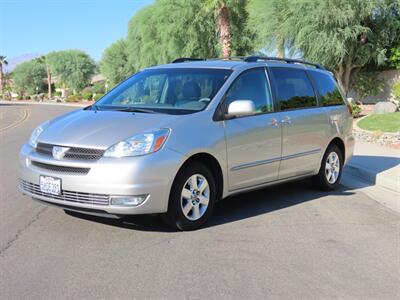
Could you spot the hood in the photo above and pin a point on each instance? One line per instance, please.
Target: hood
(101, 129)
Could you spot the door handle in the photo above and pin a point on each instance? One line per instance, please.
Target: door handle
(286, 120)
(273, 122)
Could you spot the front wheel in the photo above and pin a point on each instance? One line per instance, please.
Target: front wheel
(330, 172)
(192, 197)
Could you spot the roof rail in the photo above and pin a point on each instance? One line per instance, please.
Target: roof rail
(187, 59)
(287, 60)
(184, 59)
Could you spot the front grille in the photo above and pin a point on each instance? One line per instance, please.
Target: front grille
(74, 153)
(68, 196)
(61, 169)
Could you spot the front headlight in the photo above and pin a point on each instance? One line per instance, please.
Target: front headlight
(35, 134)
(139, 144)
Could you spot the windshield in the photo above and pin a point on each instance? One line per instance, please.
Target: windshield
(173, 91)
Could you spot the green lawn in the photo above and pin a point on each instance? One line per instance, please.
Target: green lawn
(384, 122)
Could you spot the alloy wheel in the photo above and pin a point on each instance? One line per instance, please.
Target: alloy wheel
(195, 197)
(332, 167)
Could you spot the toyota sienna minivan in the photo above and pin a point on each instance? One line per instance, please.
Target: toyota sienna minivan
(174, 139)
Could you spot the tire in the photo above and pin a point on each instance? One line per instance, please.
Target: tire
(328, 179)
(191, 206)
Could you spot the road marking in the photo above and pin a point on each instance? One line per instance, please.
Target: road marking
(25, 116)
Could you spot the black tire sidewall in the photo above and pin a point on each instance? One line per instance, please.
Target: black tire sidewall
(175, 213)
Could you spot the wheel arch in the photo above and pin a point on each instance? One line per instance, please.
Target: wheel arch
(212, 163)
(338, 142)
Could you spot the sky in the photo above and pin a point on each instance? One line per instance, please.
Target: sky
(41, 26)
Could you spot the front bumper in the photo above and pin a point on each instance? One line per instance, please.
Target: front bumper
(150, 175)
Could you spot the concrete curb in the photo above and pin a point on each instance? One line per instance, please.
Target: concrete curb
(45, 103)
(382, 179)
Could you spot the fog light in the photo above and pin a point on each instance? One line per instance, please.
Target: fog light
(128, 200)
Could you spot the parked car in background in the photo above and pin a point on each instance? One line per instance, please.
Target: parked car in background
(174, 139)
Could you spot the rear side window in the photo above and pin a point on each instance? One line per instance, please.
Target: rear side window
(327, 89)
(294, 89)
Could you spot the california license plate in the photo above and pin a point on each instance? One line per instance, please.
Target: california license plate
(50, 185)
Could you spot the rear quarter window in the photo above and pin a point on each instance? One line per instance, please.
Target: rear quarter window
(328, 90)
(293, 88)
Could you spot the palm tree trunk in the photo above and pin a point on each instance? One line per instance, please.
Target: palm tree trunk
(280, 48)
(225, 33)
(1, 78)
(48, 81)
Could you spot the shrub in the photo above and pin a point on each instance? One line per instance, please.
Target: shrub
(97, 96)
(57, 94)
(98, 87)
(356, 110)
(20, 97)
(87, 95)
(395, 58)
(74, 98)
(28, 97)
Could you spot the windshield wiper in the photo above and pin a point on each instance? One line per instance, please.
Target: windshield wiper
(134, 109)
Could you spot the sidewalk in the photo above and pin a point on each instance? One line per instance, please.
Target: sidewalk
(376, 164)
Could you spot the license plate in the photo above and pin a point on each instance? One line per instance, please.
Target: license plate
(50, 185)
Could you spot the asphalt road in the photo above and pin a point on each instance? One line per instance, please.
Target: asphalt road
(281, 242)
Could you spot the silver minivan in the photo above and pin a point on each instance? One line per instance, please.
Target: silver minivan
(176, 138)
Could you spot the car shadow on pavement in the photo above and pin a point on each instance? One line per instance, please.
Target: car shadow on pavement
(234, 208)
(374, 165)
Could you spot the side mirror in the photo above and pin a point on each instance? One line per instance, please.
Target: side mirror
(240, 108)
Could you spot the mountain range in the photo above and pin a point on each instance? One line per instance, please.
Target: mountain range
(14, 61)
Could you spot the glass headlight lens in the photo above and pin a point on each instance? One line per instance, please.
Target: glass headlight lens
(139, 144)
(35, 134)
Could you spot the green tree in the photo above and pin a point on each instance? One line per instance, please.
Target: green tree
(269, 19)
(72, 68)
(344, 35)
(169, 29)
(43, 59)
(29, 77)
(3, 62)
(114, 62)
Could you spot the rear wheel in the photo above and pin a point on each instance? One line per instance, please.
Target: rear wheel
(330, 172)
(192, 197)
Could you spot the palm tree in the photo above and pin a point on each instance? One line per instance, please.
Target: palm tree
(220, 8)
(43, 59)
(3, 62)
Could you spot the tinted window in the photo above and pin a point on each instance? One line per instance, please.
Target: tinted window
(327, 89)
(251, 85)
(294, 89)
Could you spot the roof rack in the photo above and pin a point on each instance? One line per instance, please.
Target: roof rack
(184, 59)
(252, 59)
(287, 60)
